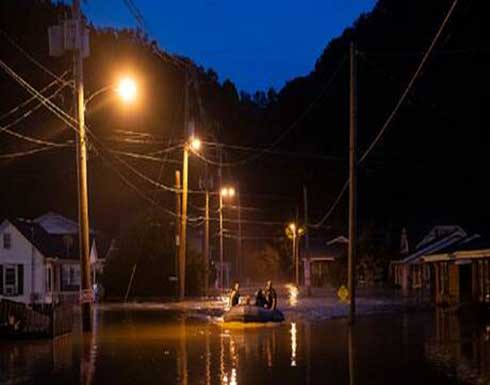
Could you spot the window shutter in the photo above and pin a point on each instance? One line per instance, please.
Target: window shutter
(20, 279)
(1, 279)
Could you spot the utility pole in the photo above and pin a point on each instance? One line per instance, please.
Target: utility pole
(178, 212)
(351, 281)
(185, 181)
(86, 296)
(183, 221)
(239, 261)
(295, 258)
(206, 245)
(307, 266)
(221, 245)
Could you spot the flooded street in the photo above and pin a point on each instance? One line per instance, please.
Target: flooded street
(152, 345)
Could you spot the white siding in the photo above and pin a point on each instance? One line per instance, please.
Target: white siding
(22, 252)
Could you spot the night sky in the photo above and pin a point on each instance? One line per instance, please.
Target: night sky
(256, 43)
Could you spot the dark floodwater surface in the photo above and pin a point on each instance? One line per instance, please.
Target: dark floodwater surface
(156, 346)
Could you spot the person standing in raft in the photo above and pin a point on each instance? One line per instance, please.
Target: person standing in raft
(260, 299)
(235, 295)
(270, 296)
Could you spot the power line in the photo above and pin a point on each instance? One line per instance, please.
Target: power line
(274, 152)
(26, 153)
(395, 110)
(28, 100)
(410, 83)
(31, 139)
(290, 129)
(35, 61)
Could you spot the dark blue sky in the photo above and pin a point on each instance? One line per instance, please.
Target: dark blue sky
(255, 43)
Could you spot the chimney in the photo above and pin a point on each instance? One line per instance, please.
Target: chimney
(404, 249)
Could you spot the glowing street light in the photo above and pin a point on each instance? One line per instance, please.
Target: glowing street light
(294, 232)
(195, 143)
(127, 89)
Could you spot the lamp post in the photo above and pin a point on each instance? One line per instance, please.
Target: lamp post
(225, 192)
(127, 91)
(294, 233)
(193, 144)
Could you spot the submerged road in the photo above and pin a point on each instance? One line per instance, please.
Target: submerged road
(158, 344)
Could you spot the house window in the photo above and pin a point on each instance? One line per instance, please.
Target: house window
(12, 280)
(7, 241)
(70, 277)
(49, 279)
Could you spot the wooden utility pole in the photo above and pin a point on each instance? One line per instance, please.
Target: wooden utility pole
(183, 222)
(86, 296)
(239, 261)
(221, 242)
(206, 245)
(307, 266)
(295, 258)
(351, 282)
(178, 212)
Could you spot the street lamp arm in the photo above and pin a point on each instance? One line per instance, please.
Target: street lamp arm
(97, 93)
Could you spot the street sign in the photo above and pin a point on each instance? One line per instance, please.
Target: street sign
(86, 296)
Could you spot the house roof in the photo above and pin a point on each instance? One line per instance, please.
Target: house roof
(53, 236)
(431, 243)
(54, 223)
(472, 246)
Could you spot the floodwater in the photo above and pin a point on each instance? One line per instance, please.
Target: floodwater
(151, 345)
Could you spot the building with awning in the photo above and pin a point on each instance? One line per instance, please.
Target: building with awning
(461, 271)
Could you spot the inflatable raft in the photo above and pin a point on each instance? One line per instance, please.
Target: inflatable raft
(249, 313)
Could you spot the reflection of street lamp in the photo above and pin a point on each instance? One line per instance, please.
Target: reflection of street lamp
(294, 232)
(193, 144)
(225, 192)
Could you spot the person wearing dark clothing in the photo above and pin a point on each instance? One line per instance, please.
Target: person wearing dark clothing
(260, 299)
(235, 295)
(270, 296)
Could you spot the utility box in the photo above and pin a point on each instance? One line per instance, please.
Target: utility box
(56, 41)
(63, 37)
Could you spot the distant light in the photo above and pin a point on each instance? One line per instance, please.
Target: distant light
(292, 226)
(293, 294)
(195, 143)
(228, 192)
(127, 89)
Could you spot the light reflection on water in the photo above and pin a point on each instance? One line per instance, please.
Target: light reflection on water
(293, 343)
(158, 346)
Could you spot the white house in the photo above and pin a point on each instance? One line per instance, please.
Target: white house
(39, 259)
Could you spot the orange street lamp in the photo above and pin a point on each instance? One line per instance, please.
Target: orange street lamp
(126, 89)
(225, 192)
(294, 233)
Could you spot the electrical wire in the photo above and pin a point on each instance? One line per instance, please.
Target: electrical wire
(394, 112)
(31, 139)
(35, 61)
(26, 153)
(410, 83)
(290, 129)
(27, 101)
(273, 152)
